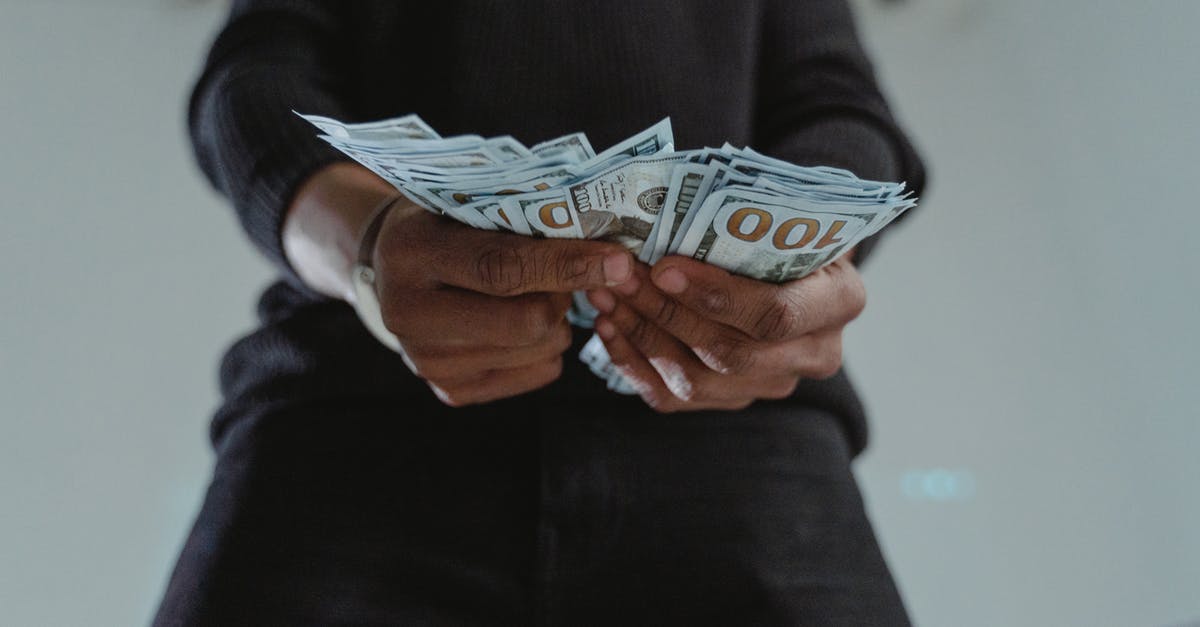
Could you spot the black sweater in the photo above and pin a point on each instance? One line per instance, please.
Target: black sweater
(786, 77)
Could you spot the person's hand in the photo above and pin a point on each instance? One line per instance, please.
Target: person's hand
(690, 336)
(480, 315)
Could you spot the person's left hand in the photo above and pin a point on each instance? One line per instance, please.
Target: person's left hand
(692, 336)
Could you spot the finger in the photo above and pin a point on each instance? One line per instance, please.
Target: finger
(498, 384)
(720, 347)
(679, 369)
(831, 296)
(504, 264)
(814, 356)
(686, 376)
(454, 365)
(637, 369)
(456, 317)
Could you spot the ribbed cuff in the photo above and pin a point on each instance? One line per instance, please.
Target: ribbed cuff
(256, 150)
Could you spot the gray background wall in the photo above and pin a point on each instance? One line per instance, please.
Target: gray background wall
(1028, 354)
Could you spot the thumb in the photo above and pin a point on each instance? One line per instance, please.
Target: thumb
(503, 264)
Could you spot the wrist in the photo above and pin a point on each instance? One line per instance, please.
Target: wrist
(326, 222)
(363, 296)
(364, 258)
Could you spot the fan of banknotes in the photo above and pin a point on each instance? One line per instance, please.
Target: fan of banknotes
(732, 207)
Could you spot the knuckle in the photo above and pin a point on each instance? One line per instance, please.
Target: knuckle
(537, 320)
(501, 269)
(715, 300)
(731, 356)
(570, 269)
(775, 320)
(639, 331)
(668, 309)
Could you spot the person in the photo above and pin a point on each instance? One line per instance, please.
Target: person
(484, 476)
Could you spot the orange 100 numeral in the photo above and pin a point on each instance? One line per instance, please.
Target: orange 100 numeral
(786, 236)
(555, 215)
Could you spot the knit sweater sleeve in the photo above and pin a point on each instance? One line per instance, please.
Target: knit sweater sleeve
(818, 101)
(271, 57)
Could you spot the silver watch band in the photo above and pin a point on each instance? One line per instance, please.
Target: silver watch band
(366, 301)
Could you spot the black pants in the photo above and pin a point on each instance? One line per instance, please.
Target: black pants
(524, 513)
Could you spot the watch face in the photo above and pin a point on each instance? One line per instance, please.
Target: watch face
(366, 303)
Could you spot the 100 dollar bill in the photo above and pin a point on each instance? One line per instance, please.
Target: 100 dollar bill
(767, 237)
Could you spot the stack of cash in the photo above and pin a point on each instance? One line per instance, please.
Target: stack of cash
(735, 208)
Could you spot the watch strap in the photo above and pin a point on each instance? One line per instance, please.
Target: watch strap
(366, 243)
(366, 301)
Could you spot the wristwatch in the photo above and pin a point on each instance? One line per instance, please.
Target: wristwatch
(366, 301)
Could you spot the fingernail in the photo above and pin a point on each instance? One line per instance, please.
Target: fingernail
(671, 281)
(605, 329)
(617, 268)
(602, 300)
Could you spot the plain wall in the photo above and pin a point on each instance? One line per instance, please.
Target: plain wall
(1028, 354)
(1034, 328)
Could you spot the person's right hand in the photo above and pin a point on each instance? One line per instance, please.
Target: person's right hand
(481, 315)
